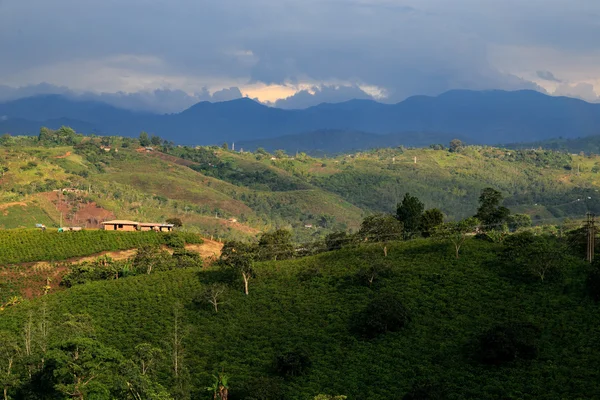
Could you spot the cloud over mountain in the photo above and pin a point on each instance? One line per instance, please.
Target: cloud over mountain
(401, 47)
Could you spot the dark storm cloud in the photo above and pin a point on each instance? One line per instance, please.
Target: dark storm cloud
(403, 47)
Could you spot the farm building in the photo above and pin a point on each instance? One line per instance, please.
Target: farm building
(120, 225)
(123, 225)
(150, 226)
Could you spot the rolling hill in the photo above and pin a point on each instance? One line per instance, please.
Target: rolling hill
(295, 335)
(487, 117)
(228, 194)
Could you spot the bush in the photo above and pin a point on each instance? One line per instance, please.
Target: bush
(292, 363)
(187, 259)
(384, 314)
(177, 223)
(369, 275)
(336, 240)
(174, 241)
(506, 343)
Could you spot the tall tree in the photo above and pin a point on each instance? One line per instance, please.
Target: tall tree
(490, 212)
(155, 140)
(410, 212)
(457, 232)
(80, 367)
(9, 351)
(380, 228)
(276, 245)
(455, 145)
(144, 139)
(431, 219)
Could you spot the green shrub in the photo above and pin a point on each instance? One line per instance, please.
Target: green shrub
(509, 342)
(384, 314)
(292, 363)
(174, 241)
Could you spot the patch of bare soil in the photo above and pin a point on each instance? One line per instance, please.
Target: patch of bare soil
(79, 213)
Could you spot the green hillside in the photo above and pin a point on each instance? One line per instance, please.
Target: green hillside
(23, 246)
(236, 195)
(303, 312)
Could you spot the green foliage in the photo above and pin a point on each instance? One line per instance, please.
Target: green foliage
(457, 232)
(451, 302)
(174, 241)
(518, 221)
(62, 136)
(381, 228)
(187, 259)
(508, 342)
(490, 213)
(175, 221)
(336, 240)
(430, 221)
(21, 246)
(535, 257)
(373, 273)
(385, 313)
(292, 363)
(144, 139)
(410, 213)
(276, 245)
(149, 258)
(329, 397)
(455, 145)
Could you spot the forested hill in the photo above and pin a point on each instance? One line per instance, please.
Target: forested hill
(486, 117)
(226, 193)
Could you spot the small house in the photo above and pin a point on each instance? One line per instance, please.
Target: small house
(120, 225)
(151, 226)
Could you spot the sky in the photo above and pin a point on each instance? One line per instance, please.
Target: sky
(165, 55)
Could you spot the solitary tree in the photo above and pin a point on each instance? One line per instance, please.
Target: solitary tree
(490, 213)
(214, 294)
(144, 139)
(155, 140)
(239, 257)
(276, 245)
(380, 228)
(410, 212)
(9, 350)
(455, 145)
(430, 220)
(177, 223)
(457, 232)
(147, 356)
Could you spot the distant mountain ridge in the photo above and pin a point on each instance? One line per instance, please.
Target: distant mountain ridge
(486, 117)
